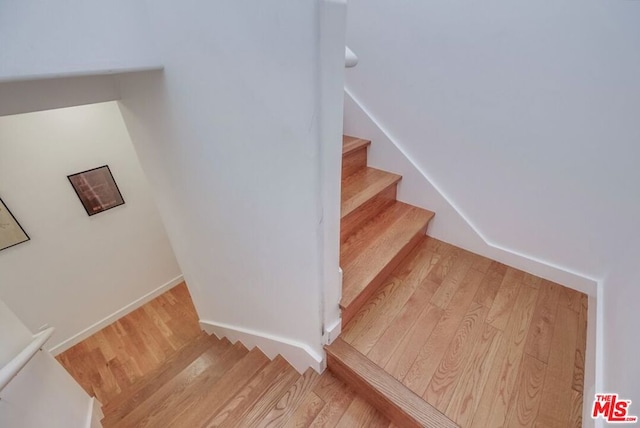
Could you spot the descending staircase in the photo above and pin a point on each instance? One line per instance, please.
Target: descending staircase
(212, 383)
(377, 233)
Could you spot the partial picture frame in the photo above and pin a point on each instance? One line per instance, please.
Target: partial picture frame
(11, 232)
(97, 189)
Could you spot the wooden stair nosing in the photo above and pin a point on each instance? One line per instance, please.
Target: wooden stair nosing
(394, 400)
(382, 250)
(366, 212)
(135, 392)
(363, 186)
(352, 144)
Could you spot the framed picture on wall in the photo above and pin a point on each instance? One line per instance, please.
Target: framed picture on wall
(96, 189)
(11, 233)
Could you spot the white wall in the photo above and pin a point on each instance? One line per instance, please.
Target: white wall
(524, 116)
(77, 270)
(43, 393)
(74, 37)
(229, 136)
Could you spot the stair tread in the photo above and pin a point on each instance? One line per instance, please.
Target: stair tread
(351, 144)
(206, 368)
(370, 250)
(362, 186)
(265, 399)
(390, 396)
(207, 400)
(137, 392)
(233, 411)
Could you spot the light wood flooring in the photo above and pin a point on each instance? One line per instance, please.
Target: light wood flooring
(156, 368)
(108, 362)
(485, 344)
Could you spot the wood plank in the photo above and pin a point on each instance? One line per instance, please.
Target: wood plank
(467, 393)
(575, 418)
(234, 409)
(555, 407)
(505, 299)
(413, 342)
(351, 144)
(524, 406)
(450, 283)
(539, 338)
(449, 370)
(361, 414)
(362, 186)
(492, 409)
(516, 335)
(389, 396)
(163, 402)
(401, 325)
(491, 284)
(354, 161)
(426, 363)
(379, 257)
(366, 212)
(581, 347)
(387, 312)
(207, 398)
(336, 395)
(290, 401)
(308, 410)
(268, 399)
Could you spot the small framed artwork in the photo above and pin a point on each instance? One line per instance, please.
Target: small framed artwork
(11, 233)
(96, 189)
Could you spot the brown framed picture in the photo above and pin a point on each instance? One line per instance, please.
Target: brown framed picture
(96, 189)
(11, 233)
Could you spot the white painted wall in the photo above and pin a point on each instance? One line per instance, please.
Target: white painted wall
(43, 393)
(229, 136)
(74, 37)
(524, 117)
(77, 271)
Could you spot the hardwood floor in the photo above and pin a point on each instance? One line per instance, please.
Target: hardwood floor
(155, 368)
(485, 344)
(108, 362)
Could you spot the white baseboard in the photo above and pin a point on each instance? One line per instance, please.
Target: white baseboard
(299, 355)
(419, 189)
(68, 343)
(95, 415)
(332, 332)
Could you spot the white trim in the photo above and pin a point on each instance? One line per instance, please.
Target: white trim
(68, 343)
(592, 287)
(299, 355)
(83, 73)
(95, 415)
(493, 250)
(332, 332)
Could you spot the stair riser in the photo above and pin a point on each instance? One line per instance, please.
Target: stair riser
(349, 312)
(354, 161)
(364, 213)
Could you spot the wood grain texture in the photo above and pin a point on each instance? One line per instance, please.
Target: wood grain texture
(524, 406)
(539, 339)
(107, 363)
(377, 257)
(352, 144)
(386, 393)
(367, 212)
(362, 186)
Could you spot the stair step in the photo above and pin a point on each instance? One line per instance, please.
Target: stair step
(364, 194)
(142, 389)
(354, 154)
(206, 400)
(258, 402)
(394, 400)
(234, 410)
(167, 398)
(373, 251)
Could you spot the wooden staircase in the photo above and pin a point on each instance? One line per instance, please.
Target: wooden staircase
(377, 233)
(213, 383)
